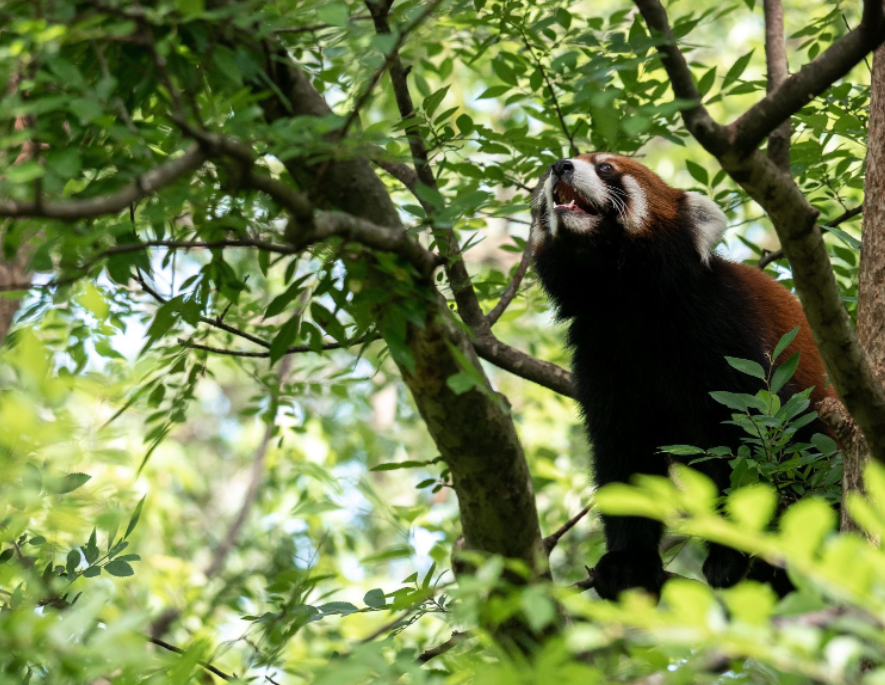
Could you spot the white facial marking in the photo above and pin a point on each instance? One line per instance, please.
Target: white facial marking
(551, 214)
(603, 156)
(709, 223)
(586, 180)
(635, 215)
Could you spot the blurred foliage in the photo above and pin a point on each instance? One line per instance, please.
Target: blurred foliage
(111, 417)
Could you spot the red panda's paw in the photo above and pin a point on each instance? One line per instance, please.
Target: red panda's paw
(629, 568)
(725, 566)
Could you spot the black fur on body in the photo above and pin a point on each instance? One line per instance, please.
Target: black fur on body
(651, 318)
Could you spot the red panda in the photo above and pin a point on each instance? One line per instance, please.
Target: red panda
(653, 313)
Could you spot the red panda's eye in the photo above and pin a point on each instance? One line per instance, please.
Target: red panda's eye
(604, 169)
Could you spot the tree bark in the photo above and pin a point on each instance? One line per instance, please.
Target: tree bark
(871, 282)
(473, 431)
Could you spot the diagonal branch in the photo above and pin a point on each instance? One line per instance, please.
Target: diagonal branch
(390, 59)
(456, 270)
(72, 210)
(520, 364)
(697, 119)
(813, 79)
(512, 288)
(573, 149)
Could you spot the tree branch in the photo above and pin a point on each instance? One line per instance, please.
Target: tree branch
(473, 431)
(524, 365)
(73, 210)
(777, 69)
(456, 270)
(553, 539)
(793, 217)
(697, 119)
(813, 79)
(512, 288)
(444, 647)
(295, 349)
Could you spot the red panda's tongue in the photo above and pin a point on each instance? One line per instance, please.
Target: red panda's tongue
(566, 197)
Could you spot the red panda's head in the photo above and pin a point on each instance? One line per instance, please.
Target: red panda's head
(601, 197)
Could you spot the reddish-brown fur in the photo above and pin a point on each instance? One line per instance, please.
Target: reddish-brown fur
(778, 313)
(663, 201)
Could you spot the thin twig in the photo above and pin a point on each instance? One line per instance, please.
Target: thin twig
(205, 664)
(221, 552)
(553, 539)
(444, 647)
(295, 349)
(769, 257)
(205, 319)
(573, 149)
(388, 59)
(512, 288)
(146, 184)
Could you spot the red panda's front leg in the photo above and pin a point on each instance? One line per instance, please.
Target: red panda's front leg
(632, 559)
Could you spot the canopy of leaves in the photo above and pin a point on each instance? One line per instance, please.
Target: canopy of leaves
(206, 438)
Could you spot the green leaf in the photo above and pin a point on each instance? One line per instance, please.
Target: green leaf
(280, 302)
(698, 173)
(752, 506)
(392, 466)
(537, 609)
(343, 608)
(493, 92)
(738, 401)
(746, 366)
(190, 8)
(6, 555)
(849, 240)
(461, 382)
(73, 561)
(119, 568)
(682, 450)
(784, 373)
(737, 69)
(133, 521)
(706, 82)
(334, 13)
(284, 338)
(37, 540)
(433, 101)
(24, 172)
(465, 124)
(784, 343)
(375, 598)
(71, 482)
(92, 571)
(824, 444)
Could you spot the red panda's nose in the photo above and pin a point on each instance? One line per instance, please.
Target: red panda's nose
(561, 168)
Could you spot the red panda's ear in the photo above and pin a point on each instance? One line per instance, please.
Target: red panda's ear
(708, 221)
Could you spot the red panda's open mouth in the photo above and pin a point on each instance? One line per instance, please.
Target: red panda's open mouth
(567, 198)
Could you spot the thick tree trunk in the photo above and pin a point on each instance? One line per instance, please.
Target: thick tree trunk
(871, 285)
(473, 431)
